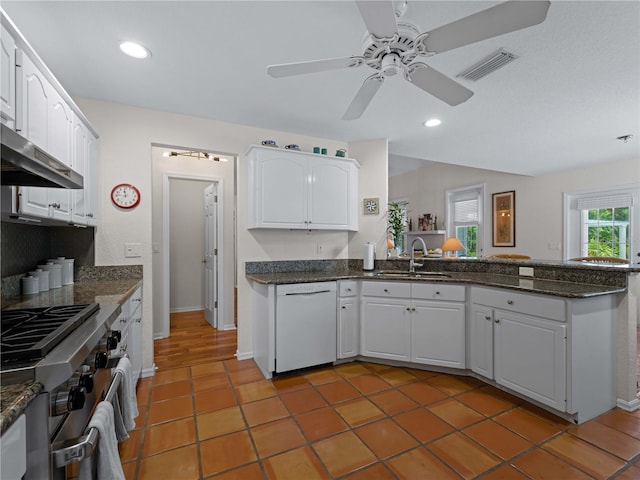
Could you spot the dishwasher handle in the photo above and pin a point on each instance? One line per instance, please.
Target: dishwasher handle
(306, 293)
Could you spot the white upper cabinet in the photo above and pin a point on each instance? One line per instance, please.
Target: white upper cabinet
(34, 105)
(84, 154)
(299, 190)
(7, 78)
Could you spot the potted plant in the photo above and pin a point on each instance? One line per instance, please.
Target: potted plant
(396, 220)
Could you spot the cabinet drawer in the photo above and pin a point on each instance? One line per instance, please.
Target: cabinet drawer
(437, 291)
(386, 289)
(529, 304)
(347, 288)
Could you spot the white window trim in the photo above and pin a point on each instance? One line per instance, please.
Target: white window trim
(449, 194)
(571, 247)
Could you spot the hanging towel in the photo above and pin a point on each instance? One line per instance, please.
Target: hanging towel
(127, 394)
(105, 457)
(121, 430)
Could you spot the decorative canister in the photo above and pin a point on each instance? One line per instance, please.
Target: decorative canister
(43, 278)
(55, 274)
(30, 285)
(67, 269)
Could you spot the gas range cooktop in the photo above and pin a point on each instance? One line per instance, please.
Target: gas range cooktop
(32, 333)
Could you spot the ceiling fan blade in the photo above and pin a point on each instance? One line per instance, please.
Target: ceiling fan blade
(364, 96)
(503, 18)
(438, 84)
(379, 17)
(314, 66)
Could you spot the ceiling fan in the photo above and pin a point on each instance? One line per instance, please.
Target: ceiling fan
(391, 46)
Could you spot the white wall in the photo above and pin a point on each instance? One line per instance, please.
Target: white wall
(372, 183)
(125, 155)
(186, 215)
(538, 199)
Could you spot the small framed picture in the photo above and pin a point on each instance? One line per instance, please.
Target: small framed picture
(504, 219)
(371, 206)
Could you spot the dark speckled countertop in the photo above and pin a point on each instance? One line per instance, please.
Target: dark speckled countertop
(104, 285)
(563, 280)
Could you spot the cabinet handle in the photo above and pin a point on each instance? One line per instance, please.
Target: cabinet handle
(386, 291)
(487, 317)
(510, 302)
(348, 289)
(408, 309)
(497, 320)
(413, 309)
(343, 307)
(437, 293)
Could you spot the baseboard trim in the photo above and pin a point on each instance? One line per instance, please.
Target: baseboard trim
(631, 406)
(186, 309)
(227, 328)
(244, 355)
(149, 372)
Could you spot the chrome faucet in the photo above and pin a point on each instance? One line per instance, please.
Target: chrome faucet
(412, 262)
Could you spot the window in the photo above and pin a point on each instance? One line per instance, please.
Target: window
(599, 223)
(464, 217)
(403, 205)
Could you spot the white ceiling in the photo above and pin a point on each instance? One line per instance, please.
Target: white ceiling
(561, 105)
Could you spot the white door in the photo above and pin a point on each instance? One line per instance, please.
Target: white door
(481, 340)
(210, 256)
(386, 328)
(7, 78)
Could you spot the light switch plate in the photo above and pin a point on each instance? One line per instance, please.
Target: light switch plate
(132, 250)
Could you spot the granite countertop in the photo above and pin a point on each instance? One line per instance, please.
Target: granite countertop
(106, 285)
(513, 282)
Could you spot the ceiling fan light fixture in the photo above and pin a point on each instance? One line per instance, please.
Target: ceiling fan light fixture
(134, 50)
(433, 122)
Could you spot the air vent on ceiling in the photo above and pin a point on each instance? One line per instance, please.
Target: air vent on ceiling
(487, 65)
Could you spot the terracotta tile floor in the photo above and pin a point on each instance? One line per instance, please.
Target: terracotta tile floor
(321, 424)
(361, 421)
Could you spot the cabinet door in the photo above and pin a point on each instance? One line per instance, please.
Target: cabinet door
(80, 161)
(438, 333)
(481, 340)
(347, 327)
(91, 180)
(7, 78)
(386, 328)
(135, 342)
(329, 195)
(281, 199)
(530, 357)
(59, 145)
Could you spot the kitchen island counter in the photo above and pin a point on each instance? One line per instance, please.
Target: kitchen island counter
(559, 279)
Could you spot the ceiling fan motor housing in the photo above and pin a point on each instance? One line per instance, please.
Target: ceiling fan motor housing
(401, 45)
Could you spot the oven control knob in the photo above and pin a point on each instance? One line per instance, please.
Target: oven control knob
(68, 400)
(102, 358)
(117, 334)
(109, 343)
(82, 380)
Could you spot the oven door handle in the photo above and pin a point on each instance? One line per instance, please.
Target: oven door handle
(86, 444)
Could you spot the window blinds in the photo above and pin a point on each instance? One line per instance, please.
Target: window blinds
(466, 206)
(606, 201)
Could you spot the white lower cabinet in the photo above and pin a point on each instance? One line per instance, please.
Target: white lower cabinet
(481, 340)
(438, 333)
(386, 328)
(530, 357)
(348, 319)
(130, 325)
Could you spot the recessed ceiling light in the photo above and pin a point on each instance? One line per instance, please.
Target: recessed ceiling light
(134, 50)
(434, 122)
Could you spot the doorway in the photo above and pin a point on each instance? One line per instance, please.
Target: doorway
(179, 177)
(193, 249)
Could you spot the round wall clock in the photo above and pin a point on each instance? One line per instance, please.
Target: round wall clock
(125, 195)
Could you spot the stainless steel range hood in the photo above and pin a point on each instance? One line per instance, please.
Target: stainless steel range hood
(26, 165)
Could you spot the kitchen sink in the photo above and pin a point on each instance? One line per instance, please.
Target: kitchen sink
(397, 274)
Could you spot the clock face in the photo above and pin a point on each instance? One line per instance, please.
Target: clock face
(125, 196)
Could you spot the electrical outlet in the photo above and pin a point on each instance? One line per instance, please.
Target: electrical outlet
(132, 250)
(525, 271)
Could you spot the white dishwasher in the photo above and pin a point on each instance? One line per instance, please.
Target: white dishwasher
(305, 325)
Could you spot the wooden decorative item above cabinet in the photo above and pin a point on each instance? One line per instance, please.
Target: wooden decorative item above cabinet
(299, 190)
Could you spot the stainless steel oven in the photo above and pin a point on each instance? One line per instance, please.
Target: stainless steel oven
(70, 350)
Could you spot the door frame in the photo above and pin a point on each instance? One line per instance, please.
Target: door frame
(166, 242)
